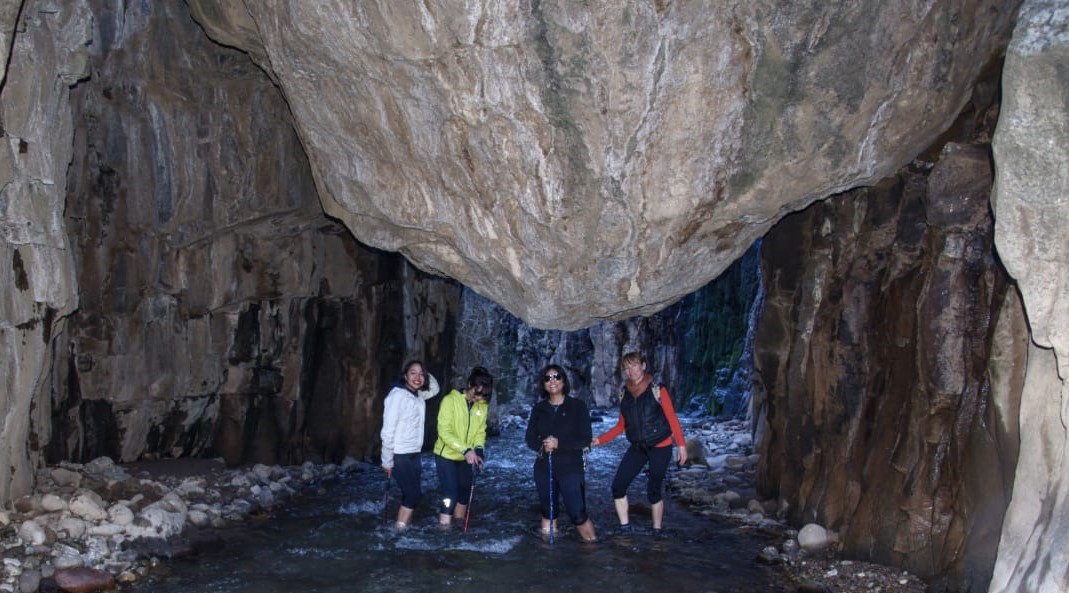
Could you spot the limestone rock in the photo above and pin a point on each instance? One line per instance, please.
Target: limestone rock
(89, 506)
(584, 161)
(120, 514)
(47, 55)
(1031, 208)
(813, 537)
(52, 503)
(161, 519)
(882, 329)
(32, 533)
(65, 477)
(212, 287)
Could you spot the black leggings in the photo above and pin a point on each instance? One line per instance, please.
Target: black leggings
(454, 478)
(634, 460)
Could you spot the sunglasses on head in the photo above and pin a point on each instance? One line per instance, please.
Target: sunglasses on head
(552, 377)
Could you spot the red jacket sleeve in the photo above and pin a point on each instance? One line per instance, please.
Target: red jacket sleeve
(613, 432)
(673, 421)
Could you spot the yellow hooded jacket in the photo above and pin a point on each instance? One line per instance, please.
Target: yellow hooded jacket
(460, 428)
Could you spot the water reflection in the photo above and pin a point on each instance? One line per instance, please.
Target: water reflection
(337, 543)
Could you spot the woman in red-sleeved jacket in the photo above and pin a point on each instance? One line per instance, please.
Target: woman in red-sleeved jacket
(649, 421)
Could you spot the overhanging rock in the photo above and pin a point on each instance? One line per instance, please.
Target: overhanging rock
(576, 162)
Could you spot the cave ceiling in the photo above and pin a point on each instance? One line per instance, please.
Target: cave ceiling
(576, 162)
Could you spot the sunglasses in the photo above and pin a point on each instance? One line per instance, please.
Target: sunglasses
(551, 377)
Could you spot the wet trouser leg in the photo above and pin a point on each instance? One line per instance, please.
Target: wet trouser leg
(572, 487)
(406, 471)
(454, 479)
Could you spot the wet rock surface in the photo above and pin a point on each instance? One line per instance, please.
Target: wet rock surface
(89, 526)
(720, 482)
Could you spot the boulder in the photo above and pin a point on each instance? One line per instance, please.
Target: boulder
(813, 537)
(83, 580)
(576, 162)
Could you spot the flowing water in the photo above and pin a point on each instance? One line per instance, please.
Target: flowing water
(336, 542)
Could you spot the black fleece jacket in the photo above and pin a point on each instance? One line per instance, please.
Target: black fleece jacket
(570, 423)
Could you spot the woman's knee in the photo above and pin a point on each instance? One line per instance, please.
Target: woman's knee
(411, 497)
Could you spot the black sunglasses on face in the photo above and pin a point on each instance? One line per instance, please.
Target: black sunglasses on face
(551, 377)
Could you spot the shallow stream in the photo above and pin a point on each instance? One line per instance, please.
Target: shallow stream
(337, 542)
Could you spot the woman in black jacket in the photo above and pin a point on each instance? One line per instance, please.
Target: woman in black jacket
(559, 430)
(649, 420)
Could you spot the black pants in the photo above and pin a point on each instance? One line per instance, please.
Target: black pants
(569, 486)
(407, 471)
(636, 457)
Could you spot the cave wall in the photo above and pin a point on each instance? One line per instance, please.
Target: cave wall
(210, 288)
(45, 51)
(695, 347)
(889, 362)
(1031, 207)
(516, 352)
(221, 312)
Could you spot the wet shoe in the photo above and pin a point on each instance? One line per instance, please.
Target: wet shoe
(627, 529)
(658, 532)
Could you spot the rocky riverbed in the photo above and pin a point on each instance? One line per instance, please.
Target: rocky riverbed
(98, 525)
(719, 480)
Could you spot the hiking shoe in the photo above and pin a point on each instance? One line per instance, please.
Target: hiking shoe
(627, 529)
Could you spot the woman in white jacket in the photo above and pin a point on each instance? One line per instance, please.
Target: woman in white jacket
(402, 434)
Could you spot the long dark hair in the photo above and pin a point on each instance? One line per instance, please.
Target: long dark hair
(565, 387)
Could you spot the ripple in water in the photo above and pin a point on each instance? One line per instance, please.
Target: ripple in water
(336, 543)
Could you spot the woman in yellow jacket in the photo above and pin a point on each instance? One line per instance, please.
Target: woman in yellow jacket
(458, 452)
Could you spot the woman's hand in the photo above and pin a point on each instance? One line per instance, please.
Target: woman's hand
(550, 444)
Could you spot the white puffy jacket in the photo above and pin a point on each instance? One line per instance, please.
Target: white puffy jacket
(402, 420)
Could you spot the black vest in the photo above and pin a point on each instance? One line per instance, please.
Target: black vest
(644, 419)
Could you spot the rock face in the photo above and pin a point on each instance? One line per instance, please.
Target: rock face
(221, 313)
(889, 362)
(684, 344)
(37, 273)
(582, 161)
(575, 162)
(1031, 208)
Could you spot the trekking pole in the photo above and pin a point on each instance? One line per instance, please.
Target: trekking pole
(386, 502)
(551, 498)
(471, 496)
